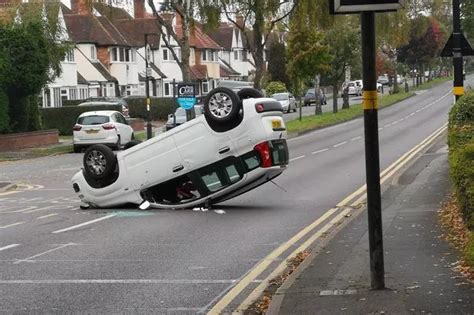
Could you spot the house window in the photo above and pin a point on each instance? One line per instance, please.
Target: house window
(205, 87)
(204, 55)
(72, 94)
(211, 55)
(165, 54)
(93, 53)
(177, 51)
(167, 89)
(236, 55)
(122, 54)
(244, 55)
(69, 56)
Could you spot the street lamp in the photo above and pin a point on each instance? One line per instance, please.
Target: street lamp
(147, 91)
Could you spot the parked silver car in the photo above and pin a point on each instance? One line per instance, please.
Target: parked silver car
(179, 117)
(287, 101)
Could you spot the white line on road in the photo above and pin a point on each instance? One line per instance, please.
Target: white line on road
(48, 251)
(339, 144)
(47, 216)
(84, 224)
(24, 209)
(386, 126)
(119, 281)
(40, 209)
(380, 128)
(356, 138)
(10, 225)
(297, 158)
(319, 151)
(8, 246)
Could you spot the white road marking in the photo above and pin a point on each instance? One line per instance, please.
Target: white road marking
(39, 209)
(339, 144)
(394, 123)
(386, 126)
(418, 110)
(8, 246)
(10, 225)
(411, 114)
(119, 281)
(319, 151)
(85, 223)
(337, 292)
(46, 252)
(297, 158)
(356, 138)
(380, 128)
(24, 209)
(47, 216)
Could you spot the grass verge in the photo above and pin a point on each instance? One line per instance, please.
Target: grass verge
(328, 119)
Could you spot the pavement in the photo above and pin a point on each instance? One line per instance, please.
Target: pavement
(419, 275)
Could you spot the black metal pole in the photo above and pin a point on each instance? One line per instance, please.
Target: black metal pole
(372, 161)
(147, 91)
(458, 89)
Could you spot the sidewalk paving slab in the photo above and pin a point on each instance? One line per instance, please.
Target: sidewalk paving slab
(419, 276)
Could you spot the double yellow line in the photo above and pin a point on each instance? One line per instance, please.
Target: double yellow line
(356, 198)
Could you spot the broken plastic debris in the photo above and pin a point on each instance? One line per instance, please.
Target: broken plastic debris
(412, 287)
(144, 205)
(219, 211)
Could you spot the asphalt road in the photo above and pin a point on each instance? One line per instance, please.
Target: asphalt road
(55, 257)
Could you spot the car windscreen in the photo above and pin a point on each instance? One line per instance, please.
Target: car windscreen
(93, 120)
(280, 97)
(309, 94)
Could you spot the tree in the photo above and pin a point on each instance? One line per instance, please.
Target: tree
(277, 62)
(30, 57)
(467, 11)
(263, 16)
(344, 42)
(309, 54)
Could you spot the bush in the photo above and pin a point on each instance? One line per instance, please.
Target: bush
(4, 117)
(64, 118)
(72, 102)
(275, 87)
(160, 107)
(461, 154)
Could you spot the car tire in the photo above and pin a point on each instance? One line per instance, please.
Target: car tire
(99, 162)
(76, 148)
(249, 93)
(222, 106)
(130, 144)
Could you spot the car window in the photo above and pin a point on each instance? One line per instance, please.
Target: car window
(175, 191)
(121, 119)
(280, 97)
(221, 174)
(93, 120)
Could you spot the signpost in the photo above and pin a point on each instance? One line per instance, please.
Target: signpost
(187, 97)
(367, 9)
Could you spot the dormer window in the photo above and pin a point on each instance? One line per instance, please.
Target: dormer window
(168, 55)
(93, 53)
(122, 54)
(209, 55)
(69, 56)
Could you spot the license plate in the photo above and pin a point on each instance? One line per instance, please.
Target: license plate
(276, 124)
(92, 131)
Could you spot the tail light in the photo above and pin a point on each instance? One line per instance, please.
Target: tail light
(259, 108)
(264, 151)
(77, 127)
(108, 126)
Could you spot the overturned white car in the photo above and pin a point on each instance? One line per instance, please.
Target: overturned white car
(238, 144)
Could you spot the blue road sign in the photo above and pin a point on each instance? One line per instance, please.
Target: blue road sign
(186, 102)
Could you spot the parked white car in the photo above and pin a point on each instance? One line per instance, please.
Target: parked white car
(361, 84)
(237, 145)
(352, 88)
(287, 101)
(101, 127)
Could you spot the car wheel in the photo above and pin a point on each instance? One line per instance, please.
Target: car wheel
(249, 93)
(222, 105)
(76, 148)
(99, 161)
(130, 144)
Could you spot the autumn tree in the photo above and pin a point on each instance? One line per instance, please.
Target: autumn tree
(261, 16)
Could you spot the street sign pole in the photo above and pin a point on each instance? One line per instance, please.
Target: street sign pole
(372, 160)
(458, 89)
(147, 93)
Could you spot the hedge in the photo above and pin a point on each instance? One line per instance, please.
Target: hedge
(461, 154)
(64, 118)
(4, 116)
(160, 107)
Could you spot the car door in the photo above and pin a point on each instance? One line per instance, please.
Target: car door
(292, 102)
(125, 131)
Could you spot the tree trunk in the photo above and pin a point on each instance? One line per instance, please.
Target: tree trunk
(334, 98)
(345, 98)
(317, 95)
(258, 28)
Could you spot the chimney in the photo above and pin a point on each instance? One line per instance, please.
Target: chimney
(139, 11)
(81, 7)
